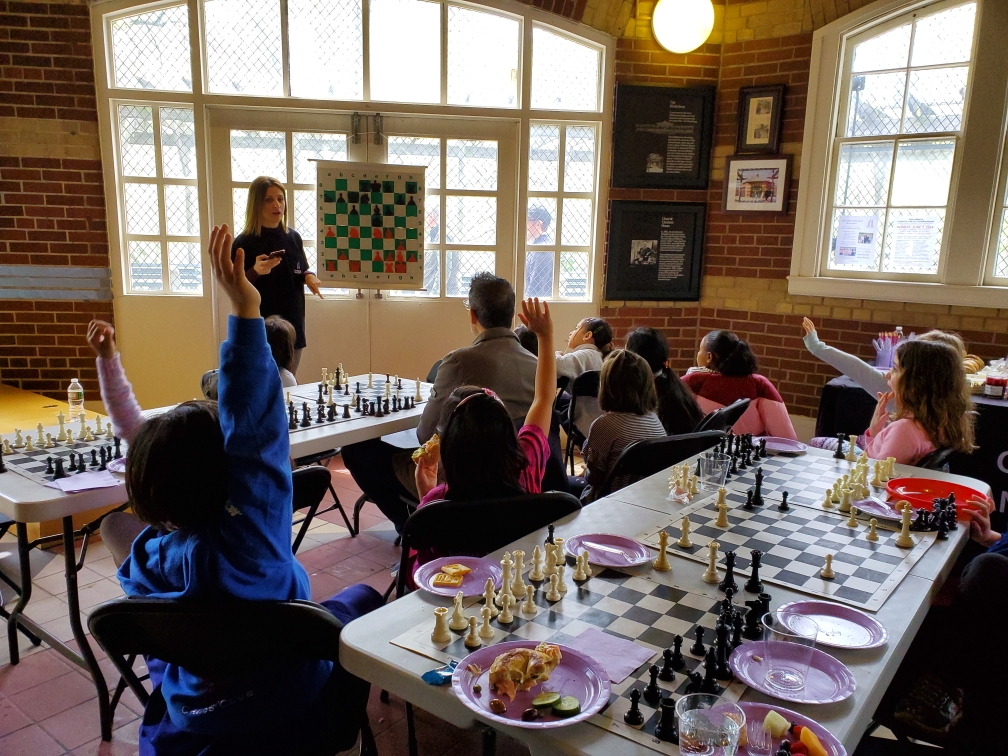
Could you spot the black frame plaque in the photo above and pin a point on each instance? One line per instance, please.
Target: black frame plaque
(663, 137)
(655, 250)
(760, 118)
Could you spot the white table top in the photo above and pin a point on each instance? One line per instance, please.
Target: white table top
(365, 649)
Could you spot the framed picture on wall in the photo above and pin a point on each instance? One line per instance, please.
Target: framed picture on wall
(756, 184)
(760, 115)
(655, 251)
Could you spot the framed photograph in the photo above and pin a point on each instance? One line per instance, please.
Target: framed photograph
(760, 115)
(655, 251)
(756, 184)
(662, 137)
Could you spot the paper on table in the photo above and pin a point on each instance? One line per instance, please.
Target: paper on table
(618, 657)
(85, 482)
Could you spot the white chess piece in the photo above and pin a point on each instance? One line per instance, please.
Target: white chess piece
(325, 375)
(559, 543)
(553, 594)
(872, 535)
(39, 440)
(472, 640)
(418, 396)
(485, 630)
(579, 574)
(528, 606)
(828, 501)
(662, 563)
(69, 437)
(584, 563)
(458, 620)
(550, 560)
(710, 575)
(61, 419)
(537, 565)
(505, 617)
(826, 573)
(83, 425)
(835, 491)
(29, 446)
(890, 467)
(845, 501)
(489, 595)
(506, 565)
(370, 380)
(441, 633)
(388, 390)
(97, 425)
(18, 441)
(561, 585)
(288, 400)
(108, 430)
(88, 436)
(48, 441)
(852, 521)
(851, 456)
(877, 478)
(722, 496)
(694, 486)
(903, 540)
(518, 584)
(684, 540)
(7, 447)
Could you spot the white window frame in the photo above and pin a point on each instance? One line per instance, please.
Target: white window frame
(972, 204)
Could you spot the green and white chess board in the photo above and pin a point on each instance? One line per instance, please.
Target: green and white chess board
(370, 225)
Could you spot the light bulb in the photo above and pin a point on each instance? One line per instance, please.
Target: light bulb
(682, 25)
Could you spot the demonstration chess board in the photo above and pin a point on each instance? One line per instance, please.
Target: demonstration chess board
(805, 478)
(370, 224)
(346, 395)
(632, 608)
(33, 464)
(794, 545)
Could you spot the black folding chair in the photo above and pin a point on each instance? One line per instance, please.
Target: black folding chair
(223, 639)
(643, 458)
(937, 460)
(586, 384)
(432, 373)
(724, 418)
(310, 486)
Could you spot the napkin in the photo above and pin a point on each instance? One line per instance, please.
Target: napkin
(85, 481)
(618, 657)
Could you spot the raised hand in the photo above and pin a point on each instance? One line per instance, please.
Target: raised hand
(808, 325)
(101, 337)
(231, 275)
(536, 317)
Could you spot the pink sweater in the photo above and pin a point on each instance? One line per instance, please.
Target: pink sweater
(120, 403)
(904, 439)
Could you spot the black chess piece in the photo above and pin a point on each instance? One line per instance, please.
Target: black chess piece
(305, 416)
(549, 534)
(839, 453)
(104, 460)
(783, 506)
(320, 418)
(357, 403)
(762, 448)
(371, 408)
(678, 660)
(758, 493)
(346, 411)
(73, 463)
(731, 440)
(727, 609)
(920, 524)
(953, 516)
(754, 584)
(379, 413)
(723, 671)
(729, 578)
(292, 421)
(346, 389)
(386, 409)
(734, 465)
(698, 649)
(667, 672)
(667, 729)
(94, 457)
(748, 500)
(736, 639)
(710, 682)
(321, 390)
(49, 468)
(633, 715)
(81, 467)
(759, 606)
(652, 693)
(358, 387)
(59, 472)
(942, 530)
(331, 413)
(696, 679)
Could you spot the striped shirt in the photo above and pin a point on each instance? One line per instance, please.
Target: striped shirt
(609, 435)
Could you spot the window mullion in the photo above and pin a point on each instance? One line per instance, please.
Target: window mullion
(162, 210)
(444, 53)
(366, 47)
(561, 176)
(284, 49)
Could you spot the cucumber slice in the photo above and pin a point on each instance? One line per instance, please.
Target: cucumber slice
(545, 700)
(567, 706)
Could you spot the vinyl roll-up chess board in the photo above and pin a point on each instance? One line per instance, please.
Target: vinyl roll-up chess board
(34, 463)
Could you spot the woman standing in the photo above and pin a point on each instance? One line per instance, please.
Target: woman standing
(275, 261)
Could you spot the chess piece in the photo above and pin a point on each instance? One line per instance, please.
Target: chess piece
(528, 605)
(759, 606)
(18, 441)
(579, 573)
(845, 501)
(553, 594)
(88, 436)
(826, 573)
(828, 501)
(70, 437)
(118, 453)
(754, 584)
(39, 440)
(49, 468)
(852, 440)
(549, 534)
(441, 633)
(489, 595)
(59, 473)
(83, 425)
(736, 639)
(561, 585)
(711, 576)
(7, 447)
(694, 486)
(662, 563)
(472, 640)
(721, 631)
(584, 563)
(486, 632)
(838, 453)
(666, 729)
(698, 649)
(667, 672)
(758, 493)
(633, 715)
(749, 505)
(518, 583)
(852, 520)
(29, 446)
(783, 506)
(678, 660)
(551, 560)
(729, 578)
(722, 517)
(559, 551)
(537, 565)
(890, 467)
(710, 683)
(684, 540)
(506, 565)
(61, 419)
(506, 617)
(370, 380)
(73, 463)
(458, 621)
(877, 477)
(94, 457)
(872, 535)
(653, 693)
(418, 397)
(903, 540)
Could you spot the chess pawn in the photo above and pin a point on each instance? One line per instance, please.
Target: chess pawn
(506, 581)
(472, 640)
(537, 565)
(506, 617)
(561, 585)
(828, 501)
(835, 492)
(845, 501)
(489, 595)
(485, 630)
(826, 573)
(872, 535)
(7, 447)
(441, 633)
(662, 563)
(69, 437)
(28, 445)
(684, 540)
(584, 563)
(48, 441)
(579, 573)
(694, 486)
(61, 419)
(553, 594)
(88, 436)
(852, 520)
(528, 606)
(710, 575)
(458, 620)
(877, 478)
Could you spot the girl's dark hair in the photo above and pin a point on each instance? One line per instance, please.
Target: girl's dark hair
(280, 336)
(528, 340)
(601, 334)
(732, 356)
(677, 407)
(176, 469)
(626, 384)
(479, 447)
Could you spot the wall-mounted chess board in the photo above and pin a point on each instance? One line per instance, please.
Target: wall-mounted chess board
(34, 463)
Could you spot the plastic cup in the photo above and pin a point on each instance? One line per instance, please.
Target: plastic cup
(708, 725)
(787, 649)
(714, 470)
(759, 742)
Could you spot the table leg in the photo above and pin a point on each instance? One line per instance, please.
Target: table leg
(26, 586)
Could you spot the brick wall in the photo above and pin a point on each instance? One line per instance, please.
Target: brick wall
(52, 206)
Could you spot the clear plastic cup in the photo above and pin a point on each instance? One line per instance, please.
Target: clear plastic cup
(759, 742)
(708, 725)
(713, 470)
(787, 649)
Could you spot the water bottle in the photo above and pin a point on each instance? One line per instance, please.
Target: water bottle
(75, 398)
(899, 334)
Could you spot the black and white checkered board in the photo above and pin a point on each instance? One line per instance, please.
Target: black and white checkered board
(33, 464)
(634, 608)
(794, 545)
(309, 393)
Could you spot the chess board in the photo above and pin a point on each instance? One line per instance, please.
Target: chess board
(634, 608)
(309, 393)
(33, 464)
(794, 545)
(370, 224)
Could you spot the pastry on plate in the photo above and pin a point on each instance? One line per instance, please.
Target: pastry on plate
(521, 668)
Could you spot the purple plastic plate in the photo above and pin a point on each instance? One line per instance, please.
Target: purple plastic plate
(878, 509)
(117, 465)
(608, 550)
(577, 675)
(828, 680)
(473, 584)
(839, 626)
(780, 445)
(756, 712)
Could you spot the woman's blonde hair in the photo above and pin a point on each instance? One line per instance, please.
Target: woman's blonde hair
(256, 197)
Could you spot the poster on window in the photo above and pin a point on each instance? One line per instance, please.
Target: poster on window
(913, 243)
(856, 240)
(370, 225)
(655, 251)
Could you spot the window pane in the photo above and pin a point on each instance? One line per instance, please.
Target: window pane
(482, 58)
(405, 51)
(889, 50)
(876, 104)
(304, 214)
(136, 141)
(945, 37)
(539, 275)
(151, 50)
(544, 157)
(539, 223)
(326, 49)
(417, 151)
(243, 47)
(239, 199)
(1001, 264)
(258, 153)
(178, 143)
(312, 258)
(573, 275)
(181, 210)
(471, 220)
(565, 73)
(144, 266)
(472, 164)
(913, 240)
(321, 146)
(577, 222)
(142, 209)
(579, 159)
(432, 220)
(935, 101)
(856, 239)
(863, 174)
(923, 171)
(432, 277)
(460, 267)
(185, 268)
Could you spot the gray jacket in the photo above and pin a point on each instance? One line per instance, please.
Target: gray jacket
(495, 361)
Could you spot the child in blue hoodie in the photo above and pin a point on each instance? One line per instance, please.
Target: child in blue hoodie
(213, 482)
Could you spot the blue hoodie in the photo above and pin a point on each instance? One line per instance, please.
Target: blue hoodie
(245, 555)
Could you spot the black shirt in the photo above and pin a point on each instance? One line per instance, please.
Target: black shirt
(282, 289)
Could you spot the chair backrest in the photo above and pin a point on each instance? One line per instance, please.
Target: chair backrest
(937, 460)
(432, 373)
(643, 458)
(479, 527)
(310, 485)
(208, 384)
(724, 418)
(586, 384)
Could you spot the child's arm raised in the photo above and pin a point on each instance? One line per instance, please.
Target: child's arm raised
(116, 392)
(536, 318)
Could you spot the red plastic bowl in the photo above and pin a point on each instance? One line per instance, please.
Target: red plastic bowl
(921, 493)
